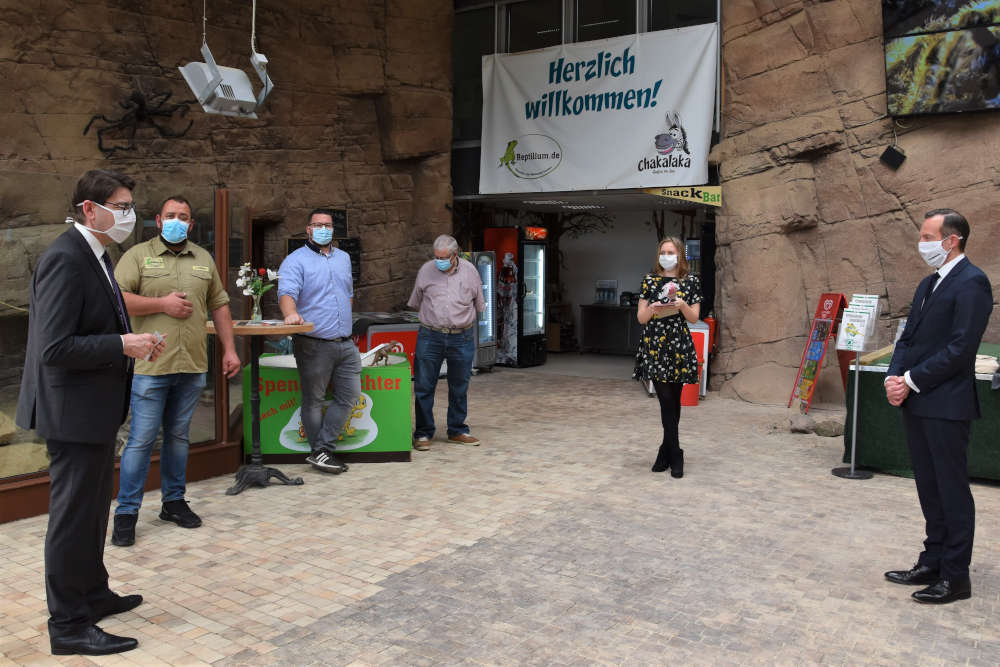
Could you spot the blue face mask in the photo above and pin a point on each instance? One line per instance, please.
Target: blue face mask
(442, 264)
(174, 230)
(322, 235)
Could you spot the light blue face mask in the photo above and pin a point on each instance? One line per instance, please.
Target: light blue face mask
(442, 264)
(174, 230)
(322, 235)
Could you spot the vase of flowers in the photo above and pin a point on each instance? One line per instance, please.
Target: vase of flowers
(255, 282)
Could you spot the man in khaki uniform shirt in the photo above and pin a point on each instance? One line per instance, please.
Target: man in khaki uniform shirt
(170, 286)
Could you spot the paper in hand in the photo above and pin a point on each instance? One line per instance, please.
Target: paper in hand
(159, 339)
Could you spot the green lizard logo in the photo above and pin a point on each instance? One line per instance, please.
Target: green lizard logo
(508, 157)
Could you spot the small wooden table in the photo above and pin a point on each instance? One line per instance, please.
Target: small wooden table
(256, 473)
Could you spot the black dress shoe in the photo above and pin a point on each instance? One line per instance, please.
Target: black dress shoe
(123, 534)
(920, 575)
(945, 591)
(92, 641)
(117, 604)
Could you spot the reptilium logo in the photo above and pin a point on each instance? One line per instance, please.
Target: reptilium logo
(531, 156)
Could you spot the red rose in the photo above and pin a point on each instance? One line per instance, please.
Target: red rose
(262, 272)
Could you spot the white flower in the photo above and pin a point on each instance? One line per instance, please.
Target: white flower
(272, 275)
(240, 282)
(247, 292)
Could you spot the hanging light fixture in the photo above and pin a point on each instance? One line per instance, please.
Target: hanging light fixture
(227, 90)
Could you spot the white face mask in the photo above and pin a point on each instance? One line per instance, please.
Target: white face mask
(668, 261)
(124, 223)
(934, 252)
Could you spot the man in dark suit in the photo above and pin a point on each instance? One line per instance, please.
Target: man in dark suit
(932, 377)
(75, 394)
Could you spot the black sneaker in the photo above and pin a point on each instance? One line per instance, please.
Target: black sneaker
(123, 534)
(325, 460)
(179, 512)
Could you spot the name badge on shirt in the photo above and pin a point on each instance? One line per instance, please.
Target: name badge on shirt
(201, 268)
(154, 263)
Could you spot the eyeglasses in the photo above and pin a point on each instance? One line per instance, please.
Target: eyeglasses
(122, 206)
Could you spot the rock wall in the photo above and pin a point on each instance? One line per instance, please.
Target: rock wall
(809, 208)
(360, 118)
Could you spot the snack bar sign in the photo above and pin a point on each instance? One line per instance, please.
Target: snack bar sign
(628, 112)
(710, 195)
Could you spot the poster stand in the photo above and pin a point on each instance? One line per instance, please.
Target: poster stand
(845, 472)
(857, 333)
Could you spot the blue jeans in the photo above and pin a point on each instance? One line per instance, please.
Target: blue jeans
(433, 347)
(158, 400)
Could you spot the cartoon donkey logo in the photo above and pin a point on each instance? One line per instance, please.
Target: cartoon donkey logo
(674, 138)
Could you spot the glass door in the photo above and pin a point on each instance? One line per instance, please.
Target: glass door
(485, 264)
(534, 289)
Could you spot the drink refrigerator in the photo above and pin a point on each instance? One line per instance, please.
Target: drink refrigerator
(486, 324)
(520, 293)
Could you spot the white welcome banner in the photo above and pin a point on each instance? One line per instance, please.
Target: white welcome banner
(627, 112)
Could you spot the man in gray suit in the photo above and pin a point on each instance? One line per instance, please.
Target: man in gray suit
(75, 394)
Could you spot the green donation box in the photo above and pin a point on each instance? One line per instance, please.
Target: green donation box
(379, 422)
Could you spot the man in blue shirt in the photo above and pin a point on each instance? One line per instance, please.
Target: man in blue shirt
(315, 286)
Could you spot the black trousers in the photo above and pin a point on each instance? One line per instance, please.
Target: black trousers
(81, 477)
(669, 395)
(938, 451)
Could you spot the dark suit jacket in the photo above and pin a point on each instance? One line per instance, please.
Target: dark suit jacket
(76, 378)
(939, 343)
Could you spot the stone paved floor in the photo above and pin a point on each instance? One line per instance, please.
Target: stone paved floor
(550, 544)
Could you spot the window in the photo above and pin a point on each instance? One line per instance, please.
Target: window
(600, 19)
(533, 24)
(472, 39)
(669, 14)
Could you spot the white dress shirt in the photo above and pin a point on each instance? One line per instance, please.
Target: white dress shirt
(99, 250)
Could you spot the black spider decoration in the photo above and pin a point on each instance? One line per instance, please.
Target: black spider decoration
(139, 111)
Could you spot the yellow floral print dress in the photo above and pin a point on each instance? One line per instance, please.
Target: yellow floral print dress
(666, 352)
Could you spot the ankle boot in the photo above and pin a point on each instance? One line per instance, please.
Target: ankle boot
(677, 463)
(662, 459)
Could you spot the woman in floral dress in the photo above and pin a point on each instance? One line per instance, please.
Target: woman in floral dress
(670, 298)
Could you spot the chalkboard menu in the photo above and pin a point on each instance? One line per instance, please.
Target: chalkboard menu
(351, 246)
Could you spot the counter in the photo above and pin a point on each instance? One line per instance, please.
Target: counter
(379, 426)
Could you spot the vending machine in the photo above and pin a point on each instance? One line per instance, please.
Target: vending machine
(520, 293)
(486, 328)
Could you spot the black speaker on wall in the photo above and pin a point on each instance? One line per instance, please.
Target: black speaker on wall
(893, 156)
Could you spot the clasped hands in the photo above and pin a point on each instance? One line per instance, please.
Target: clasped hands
(896, 390)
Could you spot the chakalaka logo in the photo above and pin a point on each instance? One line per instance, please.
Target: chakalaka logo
(672, 150)
(531, 156)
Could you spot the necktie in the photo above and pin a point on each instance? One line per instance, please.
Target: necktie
(930, 289)
(122, 311)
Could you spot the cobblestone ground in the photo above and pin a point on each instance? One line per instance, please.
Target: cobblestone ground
(552, 543)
